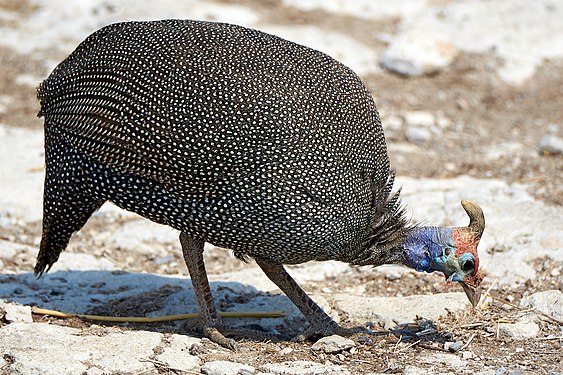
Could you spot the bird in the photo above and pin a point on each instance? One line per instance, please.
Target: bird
(237, 138)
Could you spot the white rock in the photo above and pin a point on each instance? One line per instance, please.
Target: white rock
(551, 144)
(418, 135)
(40, 348)
(225, 368)
(387, 310)
(522, 33)
(333, 344)
(177, 356)
(412, 370)
(521, 330)
(82, 262)
(413, 53)
(420, 118)
(549, 302)
(444, 358)
(303, 368)
(16, 313)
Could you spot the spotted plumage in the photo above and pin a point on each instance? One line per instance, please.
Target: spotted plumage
(247, 140)
(238, 138)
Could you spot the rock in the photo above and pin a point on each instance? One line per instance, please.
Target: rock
(550, 145)
(414, 53)
(303, 368)
(418, 135)
(420, 119)
(453, 346)
(177, 354)
(94, 371)
(388, 310)
(34, 346)
(521, 330)
(392, 126)
(225, 368)
(411, 370)
(333, 344)
(466, 354)
(549, 302)
(444, 359)
(285, 351)
(15, 313)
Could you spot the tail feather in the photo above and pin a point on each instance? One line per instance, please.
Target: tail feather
(68, 201)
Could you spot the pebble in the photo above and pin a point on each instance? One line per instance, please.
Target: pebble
(549, 302)
(521, 330)
(453, 346)
(550, 144)
(303, 367)
(466, 354)
(333, 344)
(15, 313)
(226, 368)
(419, 118)
(418, 135)
(285, 351)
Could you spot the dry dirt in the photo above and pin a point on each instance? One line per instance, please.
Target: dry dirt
(486, 113)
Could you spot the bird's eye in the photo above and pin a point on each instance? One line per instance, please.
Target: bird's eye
(468, 265)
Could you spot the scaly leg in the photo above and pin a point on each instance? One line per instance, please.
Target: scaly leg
(192, 249)
(320, 323)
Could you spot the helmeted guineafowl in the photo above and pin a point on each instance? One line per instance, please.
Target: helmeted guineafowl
(238, 138)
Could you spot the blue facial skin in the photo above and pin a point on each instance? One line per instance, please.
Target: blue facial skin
(429, 249)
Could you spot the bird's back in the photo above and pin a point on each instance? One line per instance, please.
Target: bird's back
(266, 147)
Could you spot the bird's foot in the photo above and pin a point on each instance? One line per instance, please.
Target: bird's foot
(217, 337)
(220, 335)
(317, 331)
(215, 334)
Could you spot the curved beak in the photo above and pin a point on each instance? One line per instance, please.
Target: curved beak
(473, 293)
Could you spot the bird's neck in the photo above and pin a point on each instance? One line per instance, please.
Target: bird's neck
(423, 246)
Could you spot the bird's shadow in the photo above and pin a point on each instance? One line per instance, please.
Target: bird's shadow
(118, 293)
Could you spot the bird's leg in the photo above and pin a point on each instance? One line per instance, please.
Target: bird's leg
(321, 323)
(212, 323)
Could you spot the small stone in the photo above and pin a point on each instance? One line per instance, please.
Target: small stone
(521, 330)
(420, 119)
(550, 145)
(225, 368)
(549, 302)
(453, 346)
(501, 371)
(466, 354)
(94, 371)
(302, 367)
(15, 313)
(285, 351)
(197, 349)
(417, 135)
(555, 272)
(333, 344)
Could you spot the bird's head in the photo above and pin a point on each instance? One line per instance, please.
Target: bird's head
(452, 251)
